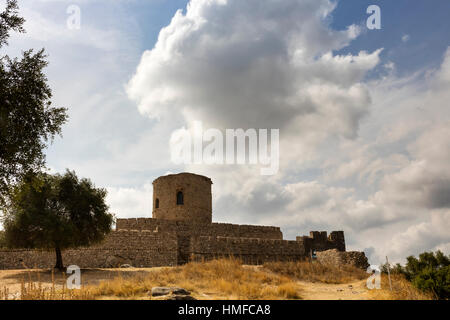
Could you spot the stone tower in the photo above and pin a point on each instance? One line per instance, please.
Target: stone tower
(183, 196)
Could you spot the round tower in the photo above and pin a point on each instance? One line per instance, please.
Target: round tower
(183, 196)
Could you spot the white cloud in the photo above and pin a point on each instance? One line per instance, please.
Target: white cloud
(131, 202)
(432, 234)
(255, 65)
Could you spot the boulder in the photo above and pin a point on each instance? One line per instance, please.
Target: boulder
(180, 291)
(180, 297)
(340, 258)
(163, 291)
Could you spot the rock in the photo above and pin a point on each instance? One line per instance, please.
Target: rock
(180, 291)
(161, 291)
(340, 258)
(175, 291)
(181, 297)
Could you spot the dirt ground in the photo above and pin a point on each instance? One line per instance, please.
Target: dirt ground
(322, 291)
(12, 280)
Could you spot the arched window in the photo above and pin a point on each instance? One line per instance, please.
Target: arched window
(157, 203)
(180, 199)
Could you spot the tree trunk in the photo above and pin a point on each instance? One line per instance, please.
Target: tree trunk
(59, 262)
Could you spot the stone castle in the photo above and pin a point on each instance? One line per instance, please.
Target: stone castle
(182, 230)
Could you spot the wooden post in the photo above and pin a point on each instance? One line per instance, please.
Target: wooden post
(389, 273)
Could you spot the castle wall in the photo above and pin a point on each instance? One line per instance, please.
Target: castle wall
(212, 229)
(185, 230)
(197, 198)
(152, 242)
(251, 251)
(170, 243)
(139, 249)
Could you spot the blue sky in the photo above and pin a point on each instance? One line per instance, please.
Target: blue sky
(363, 131)
(425, 23)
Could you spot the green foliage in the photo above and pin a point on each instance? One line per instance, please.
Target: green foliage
(27, 119)
(429, 273)
(397, 269)
(9, 20)
(56, 211)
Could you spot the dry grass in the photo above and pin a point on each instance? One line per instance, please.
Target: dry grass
(225, 279)
(402, 289)
(217, 279)
(316, 272)
(35, 289)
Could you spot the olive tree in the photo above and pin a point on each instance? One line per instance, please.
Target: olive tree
(57, 212)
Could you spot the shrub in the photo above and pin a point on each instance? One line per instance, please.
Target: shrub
(429, 273)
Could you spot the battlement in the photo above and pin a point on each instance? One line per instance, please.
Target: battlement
(318, 241)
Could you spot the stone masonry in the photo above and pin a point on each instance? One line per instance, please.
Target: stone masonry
(335, 257)
(138, 248)
(182, 230)
(196, 198)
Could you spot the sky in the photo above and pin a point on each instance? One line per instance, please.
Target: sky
(363, 113)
